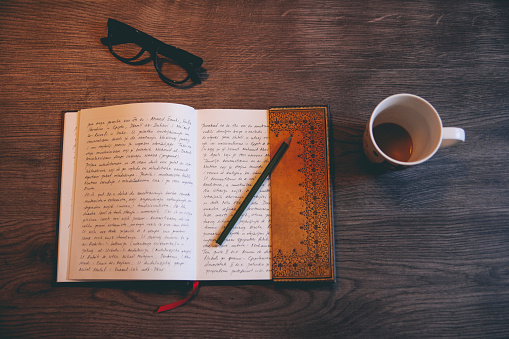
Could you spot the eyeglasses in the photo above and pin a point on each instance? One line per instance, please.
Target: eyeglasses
(174, 65)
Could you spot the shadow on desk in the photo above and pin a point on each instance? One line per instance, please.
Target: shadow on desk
(348, 152)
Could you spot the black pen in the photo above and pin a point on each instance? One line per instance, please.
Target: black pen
(270, 167)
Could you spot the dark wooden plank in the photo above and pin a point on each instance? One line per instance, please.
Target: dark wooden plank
(422, 252)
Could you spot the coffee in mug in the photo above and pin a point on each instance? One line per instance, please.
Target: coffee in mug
(406, 130)
(393, 140)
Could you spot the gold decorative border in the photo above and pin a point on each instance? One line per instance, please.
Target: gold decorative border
(317, 263)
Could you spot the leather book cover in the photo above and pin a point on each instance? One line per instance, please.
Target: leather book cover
(302, 227)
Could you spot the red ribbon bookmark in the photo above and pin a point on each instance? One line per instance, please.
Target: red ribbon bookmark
(180, 302)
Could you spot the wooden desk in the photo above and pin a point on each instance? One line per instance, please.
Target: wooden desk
(422, 252)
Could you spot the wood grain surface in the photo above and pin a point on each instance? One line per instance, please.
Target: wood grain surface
(422, 252)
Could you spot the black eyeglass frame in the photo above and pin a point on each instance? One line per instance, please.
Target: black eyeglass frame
(121, 33)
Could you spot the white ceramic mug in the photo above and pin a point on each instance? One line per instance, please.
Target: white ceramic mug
(423, 124)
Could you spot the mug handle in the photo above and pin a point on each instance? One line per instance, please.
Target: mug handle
(452, 136)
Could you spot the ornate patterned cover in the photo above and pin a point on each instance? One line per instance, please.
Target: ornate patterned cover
(302, 229)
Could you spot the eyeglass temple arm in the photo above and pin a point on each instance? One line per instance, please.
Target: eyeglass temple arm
(122, 33)
(179, 55)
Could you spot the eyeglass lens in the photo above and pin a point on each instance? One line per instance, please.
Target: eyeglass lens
(129, 52)
(170, 70)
